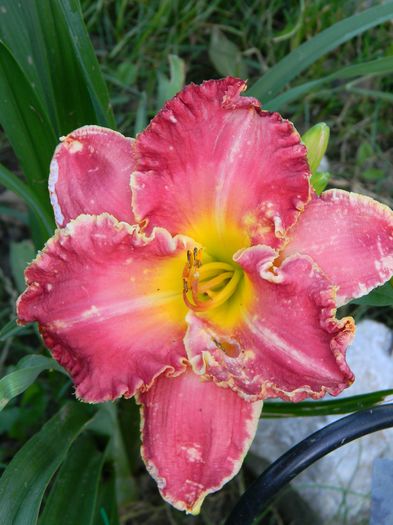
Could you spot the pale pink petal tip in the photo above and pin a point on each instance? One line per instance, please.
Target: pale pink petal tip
(94, 292)
(288, 343)
(195, 436)
(90, 173)
(215, 155)
(350, 237)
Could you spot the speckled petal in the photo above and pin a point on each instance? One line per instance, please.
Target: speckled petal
(212, 162)
(107, 306)
(350, 237)
(195, 436)
(288, 343)
(90, 173)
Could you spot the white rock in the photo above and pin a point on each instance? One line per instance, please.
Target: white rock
(338, 486)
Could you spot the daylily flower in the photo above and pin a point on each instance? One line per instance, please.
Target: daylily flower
(195, 268)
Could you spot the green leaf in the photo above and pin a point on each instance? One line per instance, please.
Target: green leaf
(106, 509)
(225, 55)
(364, 153)
(26, 478)
(26, 125)
(11, 329)
(280, 409)
(277, 77)
(373, 174)
(380, 296)
(168, 87)
(319, 180)
(76, 482)
(49, 41)
(28, 369)
(43, 215)
(84, 50)
(108, 422)
(126, 73)
(379, 66)
(21, 253)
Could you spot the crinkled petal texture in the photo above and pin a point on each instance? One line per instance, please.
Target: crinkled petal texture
(90, 173)
(195, 436)
(214, 166)
(103, 308)
(288, 342)
(350, 237)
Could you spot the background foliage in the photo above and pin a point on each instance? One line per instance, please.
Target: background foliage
(313, 60)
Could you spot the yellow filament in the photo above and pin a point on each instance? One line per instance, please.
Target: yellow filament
(216, 281)
(227, 291)
(214, 267)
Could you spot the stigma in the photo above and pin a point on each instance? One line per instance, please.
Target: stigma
(210, 285)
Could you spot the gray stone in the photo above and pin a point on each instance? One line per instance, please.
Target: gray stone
(338, 486)
(381, 492)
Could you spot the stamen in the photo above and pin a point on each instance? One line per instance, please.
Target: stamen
(228, 291)
(216, 267)
(210, 284)
(207, 285)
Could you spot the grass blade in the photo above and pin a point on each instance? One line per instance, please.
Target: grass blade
(28, 369)
(24, 481)
(10, 329)
(374, 67)
(276, 78)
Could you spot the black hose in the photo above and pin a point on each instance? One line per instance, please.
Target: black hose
(258, 496)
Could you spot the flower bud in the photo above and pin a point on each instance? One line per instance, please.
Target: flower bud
(316, 141)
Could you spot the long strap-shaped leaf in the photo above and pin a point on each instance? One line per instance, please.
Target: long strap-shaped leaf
(26, 124)
(72, 500)
(302, 57)
(374, 67)
(27, 372)
(49, 41)
(88, 62)
(346, 405)
(24, 481)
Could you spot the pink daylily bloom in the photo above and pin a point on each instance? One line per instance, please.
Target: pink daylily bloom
(197, 270)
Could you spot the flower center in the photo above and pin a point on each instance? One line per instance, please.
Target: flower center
(207, 286)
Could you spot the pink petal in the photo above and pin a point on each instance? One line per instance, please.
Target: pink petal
(105, 309)
(212, 160)
(350, 237)
(195, 436)
(90, 173)
(288, 343)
